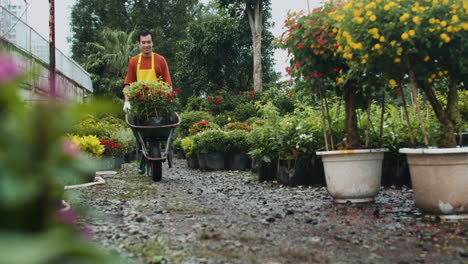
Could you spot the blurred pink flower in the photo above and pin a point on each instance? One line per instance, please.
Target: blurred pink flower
(69, 217)
(8, 69)
(70, 148)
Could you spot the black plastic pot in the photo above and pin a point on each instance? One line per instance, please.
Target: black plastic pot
(180, 154)
(395, 170)
(237, 161)
(202, 162)
(300, 172)
(129, 157)
(109, 163)
(266, 172)
(215, 160)
(192, 162)
(464, 138)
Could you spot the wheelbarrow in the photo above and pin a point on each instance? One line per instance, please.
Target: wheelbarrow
(150, 137)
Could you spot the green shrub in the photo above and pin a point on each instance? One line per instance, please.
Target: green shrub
(177, 144)
(224, 118)
(210, 141)
(251, 121)
(188, 146)
(103, 129)
(237, 141)
(125, 138)
(215, 105)
(299, 134)
(190, 117)
(244, 111)
(279, 98)
(194, 103)
(264, 144)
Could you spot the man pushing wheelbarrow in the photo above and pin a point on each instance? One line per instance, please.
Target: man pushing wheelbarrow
(150, 106)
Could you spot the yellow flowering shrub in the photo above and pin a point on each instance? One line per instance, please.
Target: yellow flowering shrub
(423, 40)
(89, 144)
(429, 33)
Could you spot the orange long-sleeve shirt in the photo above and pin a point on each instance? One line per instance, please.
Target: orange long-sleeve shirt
(160, 67)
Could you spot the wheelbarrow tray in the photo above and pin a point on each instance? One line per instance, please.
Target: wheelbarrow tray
(154, 132)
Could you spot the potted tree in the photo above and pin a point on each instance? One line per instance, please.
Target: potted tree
(421, 44)
(353, 174)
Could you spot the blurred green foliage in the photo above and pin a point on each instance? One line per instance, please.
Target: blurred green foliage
(35, 164)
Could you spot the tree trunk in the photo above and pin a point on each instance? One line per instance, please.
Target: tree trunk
(447, 117)
(352, 136)
(255, 22)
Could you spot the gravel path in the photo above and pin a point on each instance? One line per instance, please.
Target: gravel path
(229, 217)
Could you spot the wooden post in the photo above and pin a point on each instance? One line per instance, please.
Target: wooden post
(52, 48)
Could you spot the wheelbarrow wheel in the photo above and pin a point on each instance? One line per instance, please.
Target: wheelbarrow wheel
(155, 166)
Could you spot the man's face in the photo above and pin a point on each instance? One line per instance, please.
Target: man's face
(146, 45)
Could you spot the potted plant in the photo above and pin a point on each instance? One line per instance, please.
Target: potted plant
(421, 44)
(299, 137)
(211, 146)
(237, 126)
(113, 156)
(353, 174)
(177, 148)
(201, 126)
(237, 147)
(188, 145)
(189, 118)
(153, 102)
(92, 147)
(124, 137)
(264, 153)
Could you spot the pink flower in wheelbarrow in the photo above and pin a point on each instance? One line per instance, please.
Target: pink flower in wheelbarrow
(9, 69)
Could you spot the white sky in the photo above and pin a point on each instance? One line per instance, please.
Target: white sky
(38, 18)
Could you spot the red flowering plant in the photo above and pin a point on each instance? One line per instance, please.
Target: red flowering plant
(112, 148)
(238, 126)
(152, 99)
(312, 41)
(227, 100)
(202, 126)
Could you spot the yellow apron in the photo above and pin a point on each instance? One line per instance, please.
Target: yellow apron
(146, 74)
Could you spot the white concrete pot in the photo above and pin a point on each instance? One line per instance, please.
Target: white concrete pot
(440, 180)
(353, 175)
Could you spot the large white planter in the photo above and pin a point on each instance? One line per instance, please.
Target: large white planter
(353, 175)
(440, 180)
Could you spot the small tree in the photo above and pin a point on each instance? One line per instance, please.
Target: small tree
(423, 42)
(311, 40)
